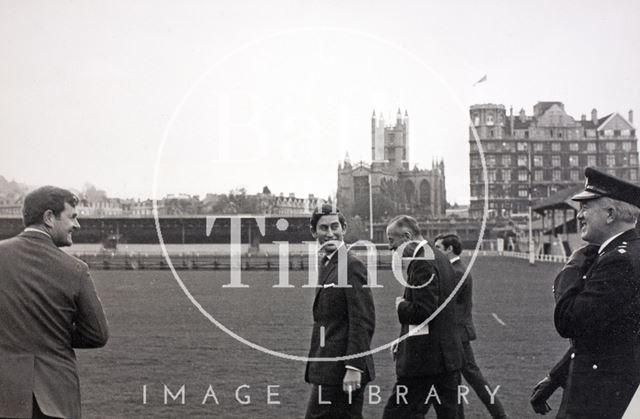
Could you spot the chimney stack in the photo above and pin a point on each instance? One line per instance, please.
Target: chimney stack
(631, 116)
(511, 119)
(594, 116)
(583, 117)
(523, 117)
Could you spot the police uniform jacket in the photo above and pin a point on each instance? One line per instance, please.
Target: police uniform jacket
(601, 314)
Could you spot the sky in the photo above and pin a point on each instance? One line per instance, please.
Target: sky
(158, 97)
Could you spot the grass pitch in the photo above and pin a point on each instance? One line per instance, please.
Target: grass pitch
(159, 338)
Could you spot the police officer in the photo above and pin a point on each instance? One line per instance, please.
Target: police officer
(600, 311)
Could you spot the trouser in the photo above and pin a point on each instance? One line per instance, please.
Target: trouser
(331, 402)
(472, 375)
(412, 397)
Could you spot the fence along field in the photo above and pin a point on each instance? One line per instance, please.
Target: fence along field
(159, 339)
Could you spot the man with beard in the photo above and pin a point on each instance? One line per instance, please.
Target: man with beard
(48, 307)
(343, 324)
(601, 311)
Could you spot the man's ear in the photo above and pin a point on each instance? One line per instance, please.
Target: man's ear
(313, 232)
(47, 218)
(611, 215)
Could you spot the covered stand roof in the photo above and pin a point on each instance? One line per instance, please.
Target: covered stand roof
(559, 201)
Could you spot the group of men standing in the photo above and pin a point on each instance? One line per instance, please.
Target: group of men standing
(49, 306)
(434, 348)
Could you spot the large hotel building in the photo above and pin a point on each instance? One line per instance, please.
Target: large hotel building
(543, 153)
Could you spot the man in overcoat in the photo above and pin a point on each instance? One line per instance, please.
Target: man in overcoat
(601, 311)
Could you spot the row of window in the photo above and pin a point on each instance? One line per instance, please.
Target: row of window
(489, 146)
(541, 175)
(574, 160)
(542, 133)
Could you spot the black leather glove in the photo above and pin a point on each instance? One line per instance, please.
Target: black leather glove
(541, 393)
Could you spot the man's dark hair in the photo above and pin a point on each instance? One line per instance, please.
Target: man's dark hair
(408, 223)
(326, 209)
(450, 240)
(38, 201)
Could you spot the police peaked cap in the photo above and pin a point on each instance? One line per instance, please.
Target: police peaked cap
(599, 184)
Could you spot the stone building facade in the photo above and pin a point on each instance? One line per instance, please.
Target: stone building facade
(395, 187)
(530, 157)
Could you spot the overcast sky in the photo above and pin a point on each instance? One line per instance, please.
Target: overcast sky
(223, 94)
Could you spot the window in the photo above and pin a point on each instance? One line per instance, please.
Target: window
(559, 134)
(610, 146)
(522, 160)
(506, 160)
(491, 134)
(590, 133)
(633, 175)
(591, 161)
(575, 175)
(555, 147)
(490, 146)
(491, 160)
(473, 146)
(555, 161)
(475, 161)
(491, 175)
(574, 146)
(557, 175)
(626, 133)
(538, 147)
(506, 175)
(633, 159)
(591, 147)
(611, 160)
(490, 120)
(538, 175)
(522, 146)
(523, 193)
(476, 119)
(608, 133)
(573, 161)
(522, 176)
(537, 161)
(626, 146)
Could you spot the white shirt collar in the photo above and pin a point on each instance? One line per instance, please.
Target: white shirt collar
(335, 251)
(609, 240)
(38, 230)
(454, 259)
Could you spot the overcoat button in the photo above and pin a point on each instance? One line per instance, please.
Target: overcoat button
(595, 367)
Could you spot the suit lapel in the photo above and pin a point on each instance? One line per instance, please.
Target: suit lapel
(324, 273)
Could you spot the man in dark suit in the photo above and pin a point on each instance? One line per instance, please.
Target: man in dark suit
(451, 246)
(428, 357)
(343, 324)
(48, 307)
(601, 311)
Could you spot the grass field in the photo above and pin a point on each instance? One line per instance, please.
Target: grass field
(158, 338)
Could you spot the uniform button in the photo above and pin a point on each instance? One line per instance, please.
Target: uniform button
(584, 277)
(595, 367)
(573, 355)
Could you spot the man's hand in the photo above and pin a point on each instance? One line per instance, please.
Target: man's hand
(351, 381)
(584, 257)
(541, 392)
